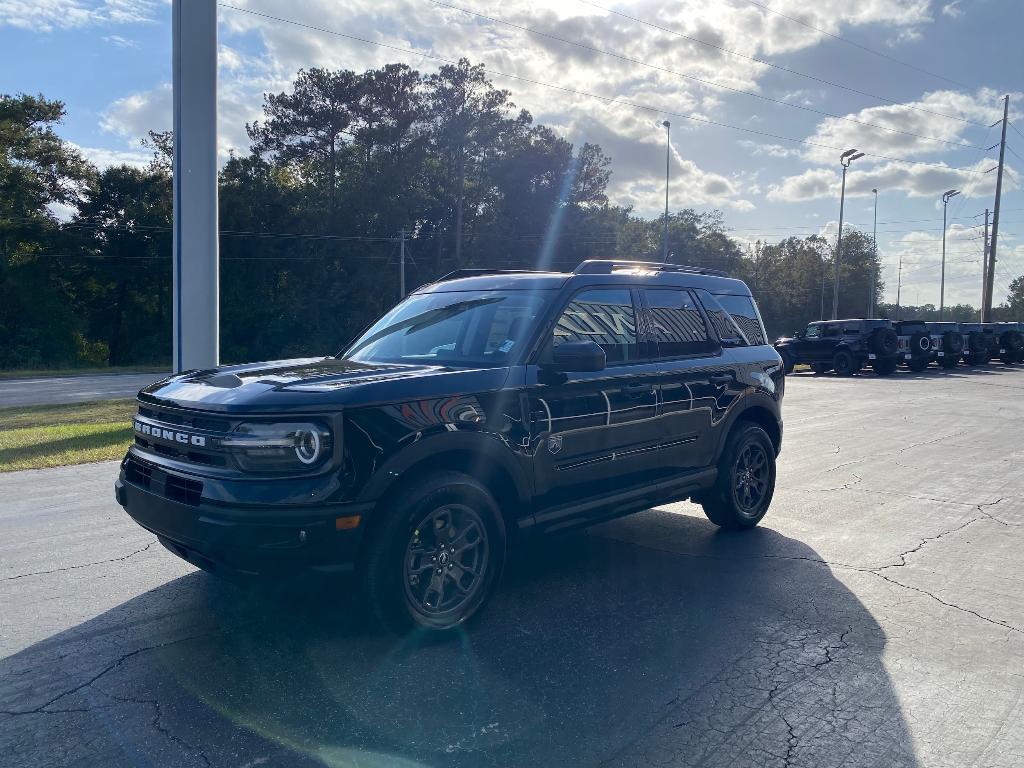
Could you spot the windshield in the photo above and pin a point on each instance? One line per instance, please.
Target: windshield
(464, 328)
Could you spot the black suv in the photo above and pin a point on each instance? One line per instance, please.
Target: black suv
(947, 343)
(844, 346)
(1010, 343)
(914, 344)
(979, 342)
(483, 405)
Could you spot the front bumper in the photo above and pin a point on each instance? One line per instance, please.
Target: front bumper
(242, 542)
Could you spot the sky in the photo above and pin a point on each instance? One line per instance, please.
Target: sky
(763, 96)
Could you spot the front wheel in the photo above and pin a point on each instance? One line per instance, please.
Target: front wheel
(435, 558)
(949, 362)
(746, 479)
(844, 364)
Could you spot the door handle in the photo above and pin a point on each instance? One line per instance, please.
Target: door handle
(722, 379)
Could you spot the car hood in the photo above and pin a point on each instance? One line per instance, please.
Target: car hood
(784, 340)
(315, 383)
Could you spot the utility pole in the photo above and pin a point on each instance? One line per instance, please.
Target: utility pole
(844, 159)
(946, 197)
(899, 284)
(984, 271)
(668, 157)
(874, 263)
(990, 279)
(401, 264)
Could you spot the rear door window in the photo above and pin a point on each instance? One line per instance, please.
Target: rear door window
(676, 326)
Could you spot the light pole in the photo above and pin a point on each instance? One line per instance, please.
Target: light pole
(874, 261)
(946, 197)
(844, 159)
(899, 284)
(668, 157)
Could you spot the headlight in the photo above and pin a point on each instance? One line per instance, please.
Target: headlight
(279, 447)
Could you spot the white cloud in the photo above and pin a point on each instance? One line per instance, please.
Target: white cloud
(48, 15)
(133, 116)
(104, 158)
(921, 254)
(914, 180)
(120, 42)
(953, 10)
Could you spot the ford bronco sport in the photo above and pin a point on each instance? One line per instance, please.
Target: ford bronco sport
(484, 405)
(1010, 343)
(979, 342)
(844, 346)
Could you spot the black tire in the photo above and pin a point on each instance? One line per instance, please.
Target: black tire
(884, 341)
(918, 364)
(977, 343)
(746, 479)
(843, 363)
(1008, 358)
(952, 342)
(949, 362)
(1012, 341)
(397, 579)
(820, 368)
(920, 343)
(885, 366)
(787, 363)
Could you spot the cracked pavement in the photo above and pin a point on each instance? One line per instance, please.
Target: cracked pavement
(874, 619)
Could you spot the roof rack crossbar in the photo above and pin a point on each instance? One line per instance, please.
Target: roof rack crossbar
(607, 266)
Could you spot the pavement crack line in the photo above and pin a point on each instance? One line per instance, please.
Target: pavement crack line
(44, 708)
(158, 725)
(81, 565)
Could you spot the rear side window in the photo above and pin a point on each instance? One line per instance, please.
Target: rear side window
(744, 313)
(602, 315)
(676, 325)
(735, 318)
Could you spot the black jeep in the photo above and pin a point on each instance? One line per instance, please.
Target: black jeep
(844, 346)
(914, 344)
(947, 343)
(979, 342)
(484, 405)
(1009, 343)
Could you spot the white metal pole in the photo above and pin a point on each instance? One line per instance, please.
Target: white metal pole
(401, 266)
(196, 308)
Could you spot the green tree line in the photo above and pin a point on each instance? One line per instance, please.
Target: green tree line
(310, 217)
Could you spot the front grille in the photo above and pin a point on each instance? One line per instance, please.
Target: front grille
(170, 486)
(192, 424)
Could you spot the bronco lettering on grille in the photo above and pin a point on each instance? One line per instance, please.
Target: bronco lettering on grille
(169, 434)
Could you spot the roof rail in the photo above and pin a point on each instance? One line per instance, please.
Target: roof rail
(607, 266)
(459, 273)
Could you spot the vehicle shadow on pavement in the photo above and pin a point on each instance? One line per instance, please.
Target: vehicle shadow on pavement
(991, 370)
(654, 640)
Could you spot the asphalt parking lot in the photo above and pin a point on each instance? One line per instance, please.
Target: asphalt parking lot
(49, 390)
(875, 619)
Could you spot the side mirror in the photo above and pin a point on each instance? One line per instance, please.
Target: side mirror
(578, 356)
(798, 334)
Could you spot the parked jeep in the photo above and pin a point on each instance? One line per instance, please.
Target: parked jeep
(914, 344)
(1010, 343)
(979, 342)
(483, 406)
(844, 346)
(947, 343)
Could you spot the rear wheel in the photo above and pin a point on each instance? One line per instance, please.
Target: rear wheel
(885, 366)
(1008, 358)
(918, 364)
(949, 361)
(435, 558)
(746, 479)
(843, 363)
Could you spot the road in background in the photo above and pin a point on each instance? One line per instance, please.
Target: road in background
(73, 389)
(874, 619)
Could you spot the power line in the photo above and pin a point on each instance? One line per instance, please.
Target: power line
(576, 92)
(857, 45)
(766, 63)
(701, 80)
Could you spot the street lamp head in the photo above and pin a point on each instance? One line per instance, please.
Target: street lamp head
(950, 194)
(858, 156)
(847, 153)
(666, 123)
(875, 191)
